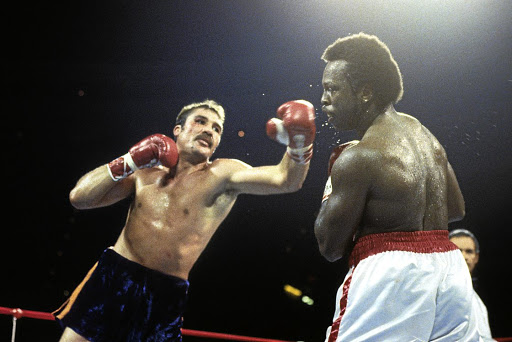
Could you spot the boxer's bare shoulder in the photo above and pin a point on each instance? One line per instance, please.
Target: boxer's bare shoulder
(228, 166)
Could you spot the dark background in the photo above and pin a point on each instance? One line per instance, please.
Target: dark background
(85, 80)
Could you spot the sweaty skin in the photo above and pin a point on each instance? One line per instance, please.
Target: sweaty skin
(175, 212)
(171, 220)
(397, 178)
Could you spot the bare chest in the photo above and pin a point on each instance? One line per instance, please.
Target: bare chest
(176, 199)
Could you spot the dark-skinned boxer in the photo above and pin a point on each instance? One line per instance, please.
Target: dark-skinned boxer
(387, 205)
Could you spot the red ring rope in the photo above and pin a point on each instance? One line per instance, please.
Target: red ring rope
(19, 313)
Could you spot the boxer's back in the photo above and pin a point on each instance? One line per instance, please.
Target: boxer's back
(409, 184)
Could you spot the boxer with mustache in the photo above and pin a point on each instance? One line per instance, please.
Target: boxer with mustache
(138, 289)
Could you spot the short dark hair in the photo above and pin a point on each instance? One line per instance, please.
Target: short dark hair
(465, 232)
(209, 104)
(369, 61)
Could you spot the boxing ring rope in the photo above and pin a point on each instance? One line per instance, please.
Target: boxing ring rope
(19, 313)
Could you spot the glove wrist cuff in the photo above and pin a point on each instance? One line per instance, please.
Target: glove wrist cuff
(121, 167)
(301, 155)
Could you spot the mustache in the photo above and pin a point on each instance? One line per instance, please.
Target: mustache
(206, 137)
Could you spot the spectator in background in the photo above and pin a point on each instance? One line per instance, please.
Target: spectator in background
(470, 248)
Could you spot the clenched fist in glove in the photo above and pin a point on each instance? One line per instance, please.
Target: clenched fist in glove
(295, 127)
(157, 149)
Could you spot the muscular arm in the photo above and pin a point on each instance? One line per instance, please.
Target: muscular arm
(294, 127)
(287, 176)
(456, 206)
(340, 215)
(97, 189)
(113, 182)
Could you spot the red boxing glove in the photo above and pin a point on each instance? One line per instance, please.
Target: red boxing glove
(157, 149)
(295, 128)
(336, 152)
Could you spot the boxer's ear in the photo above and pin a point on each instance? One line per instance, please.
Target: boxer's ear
(176, 130)
(366, 93)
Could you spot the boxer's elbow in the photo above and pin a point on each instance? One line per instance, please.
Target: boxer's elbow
(330, 253)
(455, 200)
(456, 216)
(456, 210)
(328, 249)
(79, 199)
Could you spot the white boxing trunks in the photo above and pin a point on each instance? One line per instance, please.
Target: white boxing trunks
(405, 286)
(482, 318)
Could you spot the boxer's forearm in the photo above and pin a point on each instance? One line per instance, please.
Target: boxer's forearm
(97, 189)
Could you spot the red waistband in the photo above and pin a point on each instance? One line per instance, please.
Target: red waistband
(432, 241)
